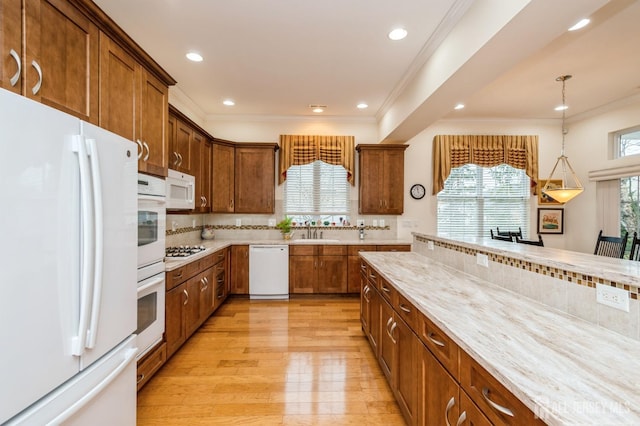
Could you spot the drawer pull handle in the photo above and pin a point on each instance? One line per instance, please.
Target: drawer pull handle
(404, 308)
(140, 378)
(497, 407)
(389, 323)
(462, 418)
(365, 293)
(450, 405)
(186, 299)
(36, 88)
(13, 80)
(178, 275)
(436, 342)
(385, 289)
(393, 327)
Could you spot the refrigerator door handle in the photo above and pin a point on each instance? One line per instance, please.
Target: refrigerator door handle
(98, 263)
(86, 274)
(129, 356)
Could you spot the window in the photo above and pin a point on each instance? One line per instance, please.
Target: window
(317, 191)
(630, 204)
(476, 199)
(627, 142)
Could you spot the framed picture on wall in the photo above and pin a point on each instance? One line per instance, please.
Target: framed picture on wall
(544, 199)
(550, 221)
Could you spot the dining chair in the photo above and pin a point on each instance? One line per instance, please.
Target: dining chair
(507, 233)
(611, 246)
(634, 254)
(537, 242)
(506, 237)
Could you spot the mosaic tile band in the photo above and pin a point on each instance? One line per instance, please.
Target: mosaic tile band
(270, 228)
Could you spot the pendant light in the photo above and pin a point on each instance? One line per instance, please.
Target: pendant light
(571, 186)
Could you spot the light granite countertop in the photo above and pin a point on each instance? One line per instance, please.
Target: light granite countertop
(212, 246)
(566, 370)
(620, 270)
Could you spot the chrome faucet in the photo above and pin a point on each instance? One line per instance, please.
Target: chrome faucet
(308, 231)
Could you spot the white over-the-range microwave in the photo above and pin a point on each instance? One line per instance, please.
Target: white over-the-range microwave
(180, 191)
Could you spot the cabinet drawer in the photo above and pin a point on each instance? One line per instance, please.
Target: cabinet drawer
(387, 291)
(176, 277)
(407, 311)
(397, 247)
(354, 250)
(200, 265)
(331, 250)
(440, 345)
(495, 401)
(219, 256)
(150, 364)
(302, 250)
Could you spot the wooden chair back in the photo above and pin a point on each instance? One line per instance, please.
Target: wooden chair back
(537, 242)
(611, 246)
(506, 237)
(634, 254)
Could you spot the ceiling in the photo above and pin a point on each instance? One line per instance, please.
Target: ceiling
(277, 58)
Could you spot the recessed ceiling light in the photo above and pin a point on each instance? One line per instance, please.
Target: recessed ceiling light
(561, 108)
(195, 57)
(459, 106)
(317, 108)
(581, 24)
(228, 102)
(398, 34)
(362, 105)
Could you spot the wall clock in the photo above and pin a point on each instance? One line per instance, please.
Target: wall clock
(417, 191)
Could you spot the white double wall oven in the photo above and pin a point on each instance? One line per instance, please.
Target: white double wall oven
(152, 224)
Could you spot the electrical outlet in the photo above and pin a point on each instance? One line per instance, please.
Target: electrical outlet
(193, 223)
(174, 225)
(430, 245)
(360, 222)
(238, 222)
(381, 223)
(272, 222)
(482, 260)
(374, 223)
(612, 296)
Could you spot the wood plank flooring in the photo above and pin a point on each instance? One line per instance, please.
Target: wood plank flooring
(301, 362)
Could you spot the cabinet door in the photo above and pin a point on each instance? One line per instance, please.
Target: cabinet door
(439, 393)
(192, 307)
(11, 45)
(365, 304)
(61, 68)
(332, 274)
(154, 112)
(393, 182)
(353, 274)
(240, 269)
(254, 180)
(470, 415)
(406, 380)
(375, 321)
(303, 274)
(181, 150)
(174, 326)
(387, 357)
(119, 87)
(205, 176)
(220, 285)
(371, 180)
(207, 290)
(223, 181)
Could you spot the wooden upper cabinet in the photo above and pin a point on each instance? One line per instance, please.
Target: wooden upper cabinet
(61, 59)
(11, 45)
(180, 157)
(255, 170)
(202, 172)
(154, 113)
(381, 171)
(223, 180)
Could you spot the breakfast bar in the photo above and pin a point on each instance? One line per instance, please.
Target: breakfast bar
(565, 369)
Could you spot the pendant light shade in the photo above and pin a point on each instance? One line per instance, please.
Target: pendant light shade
(562, 171)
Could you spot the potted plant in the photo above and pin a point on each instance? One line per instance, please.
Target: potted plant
(285, 227)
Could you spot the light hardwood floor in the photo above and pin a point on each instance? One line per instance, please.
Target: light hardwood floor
(301, 362)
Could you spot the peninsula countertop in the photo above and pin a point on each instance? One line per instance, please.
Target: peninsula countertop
(212, 246)
(566, 370)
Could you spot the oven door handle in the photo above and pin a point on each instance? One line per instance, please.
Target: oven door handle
(152, 283)
(158, 200)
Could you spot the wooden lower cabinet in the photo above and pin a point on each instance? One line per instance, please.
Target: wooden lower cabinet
(354, 262)
(151, 363)
(370, 312)
(317, 269)
(239, 269)
(175, 330)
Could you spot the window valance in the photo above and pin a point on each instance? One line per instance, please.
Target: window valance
(296, 150)
(450, 151)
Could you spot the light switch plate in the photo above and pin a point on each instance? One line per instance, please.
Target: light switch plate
(238, 222)
(381, 223)
(612, 296)
(482, 260)
(374, 223)
(430, 245)
(272, 222)
(360, 222)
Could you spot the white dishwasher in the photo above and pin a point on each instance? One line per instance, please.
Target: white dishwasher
(269, 271)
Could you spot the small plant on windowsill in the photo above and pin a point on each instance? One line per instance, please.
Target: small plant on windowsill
(285, 227)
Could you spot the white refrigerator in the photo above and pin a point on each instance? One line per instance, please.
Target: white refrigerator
(68, 247)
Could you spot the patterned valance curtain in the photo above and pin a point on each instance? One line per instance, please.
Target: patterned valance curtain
(296, 150)
(450, 151)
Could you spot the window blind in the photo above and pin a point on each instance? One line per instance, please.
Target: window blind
(476, 199)
(316, 190)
